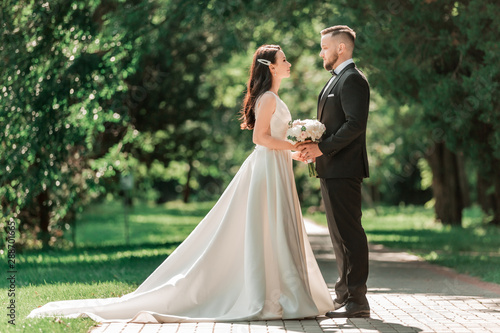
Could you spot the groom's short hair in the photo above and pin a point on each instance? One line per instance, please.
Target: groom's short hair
(343, 30)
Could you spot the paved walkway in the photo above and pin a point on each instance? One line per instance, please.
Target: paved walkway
(405, 295)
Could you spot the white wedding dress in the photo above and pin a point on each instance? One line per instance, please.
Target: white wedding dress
(248, 259)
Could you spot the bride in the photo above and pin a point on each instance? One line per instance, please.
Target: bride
(249, 258)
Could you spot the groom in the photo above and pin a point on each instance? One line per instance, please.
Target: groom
(342, 163)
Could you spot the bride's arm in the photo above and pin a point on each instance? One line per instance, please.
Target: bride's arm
(262, 129)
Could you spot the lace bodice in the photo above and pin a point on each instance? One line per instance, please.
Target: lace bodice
(280, 119)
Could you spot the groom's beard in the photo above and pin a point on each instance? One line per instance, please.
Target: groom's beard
(329, 65)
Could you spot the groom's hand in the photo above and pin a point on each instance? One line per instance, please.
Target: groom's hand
(310, 150)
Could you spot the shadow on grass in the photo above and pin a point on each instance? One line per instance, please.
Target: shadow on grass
(201, 212)
(452, 240)
(103, 249)
(469, 251)
(174, 209)
(139, 234)
(93, 264)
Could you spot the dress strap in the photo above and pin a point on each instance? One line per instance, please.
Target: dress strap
(269, 91)
(257, 102)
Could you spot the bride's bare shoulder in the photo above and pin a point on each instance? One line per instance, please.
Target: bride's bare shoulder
(267, 100)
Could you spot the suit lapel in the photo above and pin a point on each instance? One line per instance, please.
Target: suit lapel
(323, 97)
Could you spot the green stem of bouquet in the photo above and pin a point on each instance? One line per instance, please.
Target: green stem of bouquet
(312, 170)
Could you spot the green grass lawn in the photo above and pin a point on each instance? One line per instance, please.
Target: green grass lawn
(473, 249)
(104, 266)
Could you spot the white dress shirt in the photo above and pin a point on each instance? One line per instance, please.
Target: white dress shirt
(337, 70)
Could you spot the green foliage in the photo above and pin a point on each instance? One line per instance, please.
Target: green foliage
(439, 58)
(396, 146)
(98, 89)
(56, 103)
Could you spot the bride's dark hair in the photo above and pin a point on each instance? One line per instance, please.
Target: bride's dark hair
(259, 82)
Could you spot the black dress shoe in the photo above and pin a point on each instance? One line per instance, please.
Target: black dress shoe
(351, 310)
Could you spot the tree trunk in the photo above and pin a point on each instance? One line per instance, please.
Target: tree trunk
(483, 198)
(488, 192)
(463, 182)
(446, 184)
(496, 194)
(44, 216)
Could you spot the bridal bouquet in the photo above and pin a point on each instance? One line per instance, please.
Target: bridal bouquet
(303, 130)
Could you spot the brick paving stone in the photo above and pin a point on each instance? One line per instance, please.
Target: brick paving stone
(156, 328)
(115, 327)
(100, 328)
(166, 329)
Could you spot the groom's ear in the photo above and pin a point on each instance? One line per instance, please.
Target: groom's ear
(341, 48)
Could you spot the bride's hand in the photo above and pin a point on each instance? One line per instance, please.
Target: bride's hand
(298, 144)
(298, 156)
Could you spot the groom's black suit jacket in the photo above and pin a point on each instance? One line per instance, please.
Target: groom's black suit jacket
(344, 112)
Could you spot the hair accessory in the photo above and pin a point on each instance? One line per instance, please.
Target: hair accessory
(264, 62)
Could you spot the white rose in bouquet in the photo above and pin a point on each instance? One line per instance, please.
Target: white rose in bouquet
(303, 130)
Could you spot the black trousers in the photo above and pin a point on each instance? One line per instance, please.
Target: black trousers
(342, 197)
